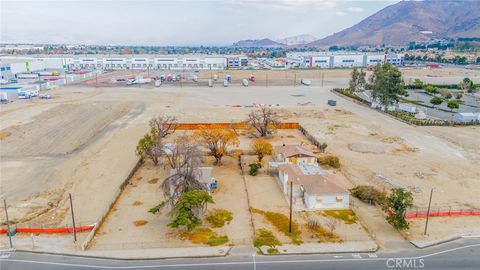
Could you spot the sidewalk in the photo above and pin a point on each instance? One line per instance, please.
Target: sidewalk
(319, 248)
(64, 246)
(164, 253)
(385, 235)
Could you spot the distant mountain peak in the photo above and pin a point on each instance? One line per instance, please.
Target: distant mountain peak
(258, 43)
(297, 40)
(407, 21)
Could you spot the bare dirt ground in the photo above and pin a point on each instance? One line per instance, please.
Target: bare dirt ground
(144, 192)
(38, 172)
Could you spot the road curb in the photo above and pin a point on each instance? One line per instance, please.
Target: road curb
(437, 243)
(122, 259)
(320, 253)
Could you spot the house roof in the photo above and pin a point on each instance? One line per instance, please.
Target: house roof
(293, 150)
(321, 184)
(314, 184)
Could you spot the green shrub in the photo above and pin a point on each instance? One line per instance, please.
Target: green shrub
(254, 167)
(272, 251)
(218, 217)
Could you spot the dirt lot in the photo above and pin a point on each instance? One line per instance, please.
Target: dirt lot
(266, 78)
(144, 192)
(264, 193)
(39, 167)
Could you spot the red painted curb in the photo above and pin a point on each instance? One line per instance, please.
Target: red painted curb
(443, 214)
(51, 230)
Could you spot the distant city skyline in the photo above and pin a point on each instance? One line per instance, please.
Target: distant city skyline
(180, 23)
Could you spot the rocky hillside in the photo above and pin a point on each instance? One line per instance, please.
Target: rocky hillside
(408, 21)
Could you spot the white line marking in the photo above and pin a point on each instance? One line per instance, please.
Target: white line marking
(230, 263)
(372, 255)
(358, 256)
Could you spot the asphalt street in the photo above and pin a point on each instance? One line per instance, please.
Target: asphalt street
(460, 254)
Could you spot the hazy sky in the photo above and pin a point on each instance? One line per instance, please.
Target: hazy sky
(176, 22)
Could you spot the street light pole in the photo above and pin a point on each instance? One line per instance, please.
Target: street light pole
(73, 218)
(428, 212)
(8, 224)
(291, 200)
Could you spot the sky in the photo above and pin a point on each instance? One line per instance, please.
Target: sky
(179, 23)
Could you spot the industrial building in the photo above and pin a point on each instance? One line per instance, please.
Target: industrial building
(342, 60)
(168, 62)
(11, 67)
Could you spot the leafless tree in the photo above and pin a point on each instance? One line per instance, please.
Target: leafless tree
(331, 224)
(263, 120)
(163, 125)
(184, 158)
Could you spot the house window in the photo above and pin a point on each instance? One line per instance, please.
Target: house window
(339, 198)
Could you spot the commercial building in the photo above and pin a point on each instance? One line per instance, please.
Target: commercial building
(343, 59)
(11, 67)
(120, 62)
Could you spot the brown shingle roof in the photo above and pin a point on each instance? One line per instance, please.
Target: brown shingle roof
(321, 184)
(315, 184)
(293, 150)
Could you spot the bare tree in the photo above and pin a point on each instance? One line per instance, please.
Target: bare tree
(331, 224)
(164, 125)
(263, 120)
(184, 158)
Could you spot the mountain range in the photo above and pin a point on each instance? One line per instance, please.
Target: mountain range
(397, 24)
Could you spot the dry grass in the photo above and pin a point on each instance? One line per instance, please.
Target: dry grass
(204, 236)
(281, 223)
(219, 217)
(329, 160)
(139, 223)
(4, 134)
(392, 139)
(137, 203)
(345, 215)
(323, 235)
(265, 237)
(153, 181)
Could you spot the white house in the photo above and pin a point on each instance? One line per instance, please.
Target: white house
(312, 191)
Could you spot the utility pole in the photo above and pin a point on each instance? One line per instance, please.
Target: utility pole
(96, 80)
(295, 79)
(73, 218)
(323, 75)
(291, 201)
(266, 79)
(428, 212)
(8, 224)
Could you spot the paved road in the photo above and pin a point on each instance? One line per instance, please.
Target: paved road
(461, 254)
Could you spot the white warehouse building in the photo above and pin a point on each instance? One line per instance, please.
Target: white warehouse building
(168, 62)
(343, 60)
